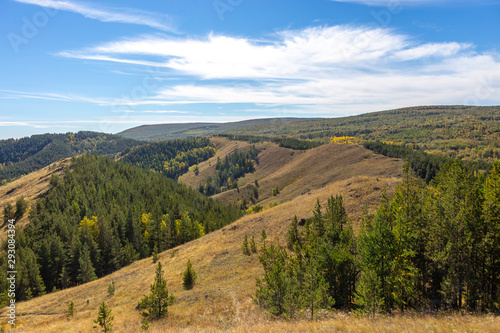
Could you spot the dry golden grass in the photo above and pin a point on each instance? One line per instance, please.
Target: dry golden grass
(31, 187)
(297, 172)
(221, 300)
(222, 297)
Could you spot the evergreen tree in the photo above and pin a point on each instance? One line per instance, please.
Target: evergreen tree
(8, 213)
(369, 292)
(253, 246)
(157, 302)
(104, 318)
(71, 310)
(86, 271)
(189, 276)
(244, 247)
(293, 237)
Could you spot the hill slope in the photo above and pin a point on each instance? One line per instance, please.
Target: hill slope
(294, 172)
(23, 156)
(221, 299)
(164, 132)
(30, 187)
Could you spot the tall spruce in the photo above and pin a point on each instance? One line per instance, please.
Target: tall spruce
(157, 302)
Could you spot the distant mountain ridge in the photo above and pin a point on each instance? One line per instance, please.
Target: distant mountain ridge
(163, 132)
(22, 156)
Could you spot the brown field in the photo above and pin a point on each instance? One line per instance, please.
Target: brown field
(31, 187)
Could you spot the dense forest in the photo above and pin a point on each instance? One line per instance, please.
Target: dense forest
(285, 142)
(430, 247)
(23, 156)
(425, 165)
(228, 170)
(103, 215)
(171, 158)
(465, 132)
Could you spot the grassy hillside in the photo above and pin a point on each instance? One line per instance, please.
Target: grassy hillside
(22, 156)
(164, 132)
(222, 297)
(294, 172)
(31, 187)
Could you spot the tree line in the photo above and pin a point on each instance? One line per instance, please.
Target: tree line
(430, 247)
(101, 216)
(235, 165)
(22, 156)
(171, 158)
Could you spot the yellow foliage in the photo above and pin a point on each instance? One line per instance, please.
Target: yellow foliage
(145, 219)
(344, 140)
(90, 225)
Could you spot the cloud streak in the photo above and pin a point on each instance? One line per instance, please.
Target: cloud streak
(329, 68)
(117, 15)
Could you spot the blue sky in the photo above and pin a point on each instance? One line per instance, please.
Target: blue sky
(70, 65)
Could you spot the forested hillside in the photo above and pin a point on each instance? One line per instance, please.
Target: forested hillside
(466, 132)
(101, 216)
(164, 132)
(23, 156)
(426, 248)
(171, 158)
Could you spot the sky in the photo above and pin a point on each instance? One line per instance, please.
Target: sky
(109, 65)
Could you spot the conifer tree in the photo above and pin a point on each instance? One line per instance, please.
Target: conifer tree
(157, 302)
(86, 271)
(104, 318)
(71, 310)
(189, 276)
(253, 246)
(244, 247)
(293, 236)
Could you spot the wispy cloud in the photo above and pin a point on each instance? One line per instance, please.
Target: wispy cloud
(329, 68)
(107, 14)
(15, 94)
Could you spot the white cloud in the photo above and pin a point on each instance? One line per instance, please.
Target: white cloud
(119, 15)
(322, 70)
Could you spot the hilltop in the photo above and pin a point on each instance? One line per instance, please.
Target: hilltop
(293, 172)
(163, 132)
(22, 156)
(471, 133)
(31, 187)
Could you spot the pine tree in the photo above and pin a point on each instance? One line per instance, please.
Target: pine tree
(293, 234)
(189, 276)
(8, 213)
(111, 289)
(157, 302)
(71, 310)
(253, 246)
(244, 247)
(369, 292)
(86, 271)
(104, 318)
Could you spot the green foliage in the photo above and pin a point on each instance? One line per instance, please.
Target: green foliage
(253, 246)
(285, 142)
(189, 276)
(22, 156)
(234, 166)
(320, 273)
(8, 213)
(245, 249)
(157, 302)
(104, 318)
(275, 191)
(111, 289)
(171, 158)
(369, 293)
(71, 310)
(425, 165)
(91, 223)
